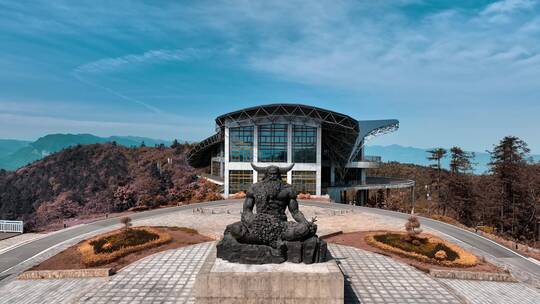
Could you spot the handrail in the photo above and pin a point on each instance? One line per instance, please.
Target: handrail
(11, 226)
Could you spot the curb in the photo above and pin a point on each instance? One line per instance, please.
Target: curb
(470, 275)
(65, 274)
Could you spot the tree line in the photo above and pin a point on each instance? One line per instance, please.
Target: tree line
(505, 199)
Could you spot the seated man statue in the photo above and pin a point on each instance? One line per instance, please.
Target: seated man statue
(266, 236)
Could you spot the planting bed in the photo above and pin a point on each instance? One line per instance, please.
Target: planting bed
(156, 239)
(361, 240)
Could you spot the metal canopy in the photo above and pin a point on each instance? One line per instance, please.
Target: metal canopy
(200, 155)
(342, 135)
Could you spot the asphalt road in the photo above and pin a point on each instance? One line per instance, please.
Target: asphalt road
(19, 254)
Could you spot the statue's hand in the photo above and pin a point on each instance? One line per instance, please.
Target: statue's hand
(312, 228)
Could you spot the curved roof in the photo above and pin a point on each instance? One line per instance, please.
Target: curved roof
(342, 134)
(271, 111)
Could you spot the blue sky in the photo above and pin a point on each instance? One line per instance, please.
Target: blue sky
(453, 72)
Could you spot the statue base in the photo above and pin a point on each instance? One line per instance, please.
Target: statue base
(312, 250)
(223, 282)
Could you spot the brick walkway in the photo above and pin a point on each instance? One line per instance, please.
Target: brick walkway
(48, 291)
(373, 278)
(484, 292)
(166, 277)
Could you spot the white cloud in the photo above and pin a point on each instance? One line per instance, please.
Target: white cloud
(508, 6)
(34, 126)
(152, 56)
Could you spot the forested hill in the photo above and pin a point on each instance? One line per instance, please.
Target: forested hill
(99, 178)
(15, 153)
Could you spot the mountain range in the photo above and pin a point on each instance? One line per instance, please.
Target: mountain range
(17, 153)
(418, 156)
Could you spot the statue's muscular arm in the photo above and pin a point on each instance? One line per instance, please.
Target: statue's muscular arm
(295, 211)
(249, 203)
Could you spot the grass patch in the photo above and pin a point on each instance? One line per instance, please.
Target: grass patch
(112, 246)
(426, 249)
(115, 242)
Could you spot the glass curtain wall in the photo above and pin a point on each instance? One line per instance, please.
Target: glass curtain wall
(240, 180)
(273, 143)
(304, 146)
(241, 144)
(304, 181)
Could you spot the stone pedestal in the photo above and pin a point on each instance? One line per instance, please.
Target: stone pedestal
(224, 282)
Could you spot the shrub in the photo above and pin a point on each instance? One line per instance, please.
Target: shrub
(441, 255)
(487, 229)
(126, 221)
(413, 228)
(426, 252)
(111, 246)
(238, 195)
(304, 196)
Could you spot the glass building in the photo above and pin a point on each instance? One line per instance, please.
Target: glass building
(325, 146)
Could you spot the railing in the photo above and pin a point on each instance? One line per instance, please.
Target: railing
(11, 226)
(371, 158)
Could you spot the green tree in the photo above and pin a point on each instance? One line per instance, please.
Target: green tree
(461, 196)
(437, 155)
(509, 164)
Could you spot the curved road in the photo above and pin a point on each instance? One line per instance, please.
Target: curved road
(19, 254)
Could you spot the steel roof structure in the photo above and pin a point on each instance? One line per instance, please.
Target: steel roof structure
(342, 135)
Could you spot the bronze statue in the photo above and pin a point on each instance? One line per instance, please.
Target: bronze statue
(266, 236)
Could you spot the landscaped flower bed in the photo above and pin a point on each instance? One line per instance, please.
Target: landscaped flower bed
(426, 249)
(112, 246)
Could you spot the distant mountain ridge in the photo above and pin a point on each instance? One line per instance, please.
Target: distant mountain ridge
(15, 154)
(418, 156)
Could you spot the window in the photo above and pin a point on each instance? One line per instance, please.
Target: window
(240, 180)
(273, 143)
(241, 144)
(304, 181)
(304, 147)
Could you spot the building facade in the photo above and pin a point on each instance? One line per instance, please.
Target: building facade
(326, 147)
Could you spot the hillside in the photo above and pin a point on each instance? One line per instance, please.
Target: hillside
(8, 146)
(21, 153)
(418, 156)
(97, 179)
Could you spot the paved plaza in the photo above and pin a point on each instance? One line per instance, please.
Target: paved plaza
(168, 277)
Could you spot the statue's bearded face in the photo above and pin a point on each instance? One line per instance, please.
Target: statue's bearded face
(272, 174)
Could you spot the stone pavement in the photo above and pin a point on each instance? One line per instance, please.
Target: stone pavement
(374, 278)
(48, 291)
(485, 292)
(168, 277)
(212, 221)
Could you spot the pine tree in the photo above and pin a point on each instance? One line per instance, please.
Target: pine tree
(437, 155)
(508, 164)
(461, 195)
